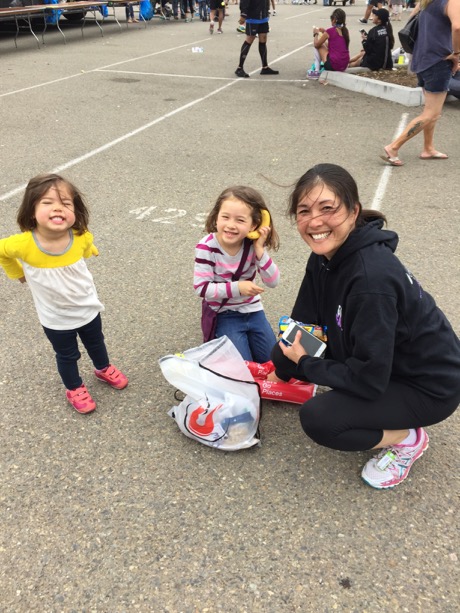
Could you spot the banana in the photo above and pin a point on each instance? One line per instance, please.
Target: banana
(254, 235)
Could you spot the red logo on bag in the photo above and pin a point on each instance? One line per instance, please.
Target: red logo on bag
(196, 425)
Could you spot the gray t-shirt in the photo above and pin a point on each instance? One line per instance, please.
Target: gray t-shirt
(434, 40)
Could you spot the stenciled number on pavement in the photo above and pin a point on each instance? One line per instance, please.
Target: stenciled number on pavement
(143, 213)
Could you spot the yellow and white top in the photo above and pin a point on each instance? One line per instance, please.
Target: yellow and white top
(62, 286)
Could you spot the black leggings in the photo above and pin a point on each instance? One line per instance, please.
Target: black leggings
(342, 421)
(67, 353)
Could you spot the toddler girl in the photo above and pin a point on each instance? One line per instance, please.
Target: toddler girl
(220, 254)
(49, 255)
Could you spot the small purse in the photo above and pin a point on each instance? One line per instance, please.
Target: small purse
(408, 34)
(209, 315)
(208, 322)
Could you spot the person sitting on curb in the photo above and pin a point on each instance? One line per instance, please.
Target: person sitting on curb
(331, 45)
(255, 14)
(377, 44)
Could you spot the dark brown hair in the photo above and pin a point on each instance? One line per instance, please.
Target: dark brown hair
(340, 18)
(37, 188)
(339, 181)
(255, 202)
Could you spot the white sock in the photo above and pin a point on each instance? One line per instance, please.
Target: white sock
(410, 439)
(317, 60)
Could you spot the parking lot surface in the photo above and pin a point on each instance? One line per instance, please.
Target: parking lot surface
(118, 511)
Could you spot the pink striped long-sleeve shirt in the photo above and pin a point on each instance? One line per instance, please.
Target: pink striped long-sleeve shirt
(213, 273)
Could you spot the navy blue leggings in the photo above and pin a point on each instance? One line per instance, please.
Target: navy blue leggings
(65, 345)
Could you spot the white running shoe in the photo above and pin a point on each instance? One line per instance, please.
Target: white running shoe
(392, 465)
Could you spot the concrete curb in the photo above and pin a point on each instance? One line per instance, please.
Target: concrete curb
(408, 96)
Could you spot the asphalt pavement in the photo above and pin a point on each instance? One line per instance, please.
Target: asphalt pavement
(118, 511)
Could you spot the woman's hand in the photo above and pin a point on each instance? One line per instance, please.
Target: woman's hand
(454, 59)
(249, 288)
(295, 351)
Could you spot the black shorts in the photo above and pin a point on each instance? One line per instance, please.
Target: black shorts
(256, 28)
(216, 5)
(327, 64)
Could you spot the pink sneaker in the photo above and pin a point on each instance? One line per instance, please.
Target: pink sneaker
(112, 376)
(81, 400)
(392, 465)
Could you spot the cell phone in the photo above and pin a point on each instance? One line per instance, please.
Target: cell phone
(312, 345)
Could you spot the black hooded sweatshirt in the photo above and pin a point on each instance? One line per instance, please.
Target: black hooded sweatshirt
(381, 324)
(377, 47)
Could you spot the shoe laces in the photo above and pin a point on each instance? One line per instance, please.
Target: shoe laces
(390, 457)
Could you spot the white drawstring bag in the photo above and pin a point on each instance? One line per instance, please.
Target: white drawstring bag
(222, 404)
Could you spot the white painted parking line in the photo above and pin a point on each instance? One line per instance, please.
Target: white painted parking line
(385, 176)
(120, 139)
(303, 14)
(205, 77)
(85, 72)
(166, 74)
(113, 143)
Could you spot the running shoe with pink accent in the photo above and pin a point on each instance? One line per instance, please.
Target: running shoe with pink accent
(112, 376)
(81, 400)
(392, 465)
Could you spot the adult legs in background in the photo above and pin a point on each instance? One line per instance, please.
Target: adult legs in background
(426, 123)
(129, 10)
(188, 8)
(175, 8)
(263, 55)
(251, 31)
(435, 81)
(246, 46)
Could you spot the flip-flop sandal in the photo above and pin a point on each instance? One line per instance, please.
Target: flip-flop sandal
(393, 161)
(435, 156)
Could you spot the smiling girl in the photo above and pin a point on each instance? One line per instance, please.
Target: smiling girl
(50, 256)
(392, 360)
(220, 255)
